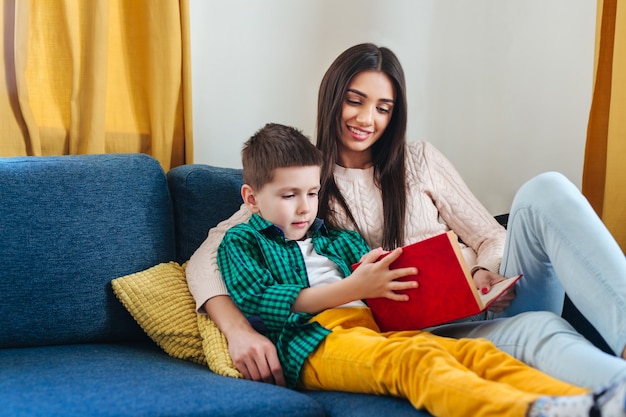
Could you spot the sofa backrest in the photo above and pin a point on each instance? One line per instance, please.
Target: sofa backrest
(202, 196)
(68, 226)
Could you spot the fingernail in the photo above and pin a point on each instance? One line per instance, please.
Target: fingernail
(484, 290)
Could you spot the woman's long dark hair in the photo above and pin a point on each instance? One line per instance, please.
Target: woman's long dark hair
(388, 153)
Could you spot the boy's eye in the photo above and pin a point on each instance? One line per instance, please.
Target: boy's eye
(288, 196)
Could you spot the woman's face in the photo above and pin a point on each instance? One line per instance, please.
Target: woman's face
(366, 112)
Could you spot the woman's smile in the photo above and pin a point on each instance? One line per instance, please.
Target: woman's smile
(359, 134)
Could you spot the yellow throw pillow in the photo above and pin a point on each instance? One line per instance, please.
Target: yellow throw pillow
(159, 300)
(215, 348)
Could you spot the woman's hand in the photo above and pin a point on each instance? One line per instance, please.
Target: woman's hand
(255, 357)
(484, 280)
(253, 354)
(374, 279)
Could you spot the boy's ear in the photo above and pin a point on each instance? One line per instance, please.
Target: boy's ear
(249, 198)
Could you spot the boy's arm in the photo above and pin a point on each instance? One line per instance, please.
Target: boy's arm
(372, 279)
(250, 282)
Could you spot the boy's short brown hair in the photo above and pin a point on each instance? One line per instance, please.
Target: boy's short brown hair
(276, 146)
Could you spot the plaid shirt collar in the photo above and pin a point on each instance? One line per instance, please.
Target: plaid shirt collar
(270, 230)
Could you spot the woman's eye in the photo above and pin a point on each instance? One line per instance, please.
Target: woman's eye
(353, 102)
(384, 110)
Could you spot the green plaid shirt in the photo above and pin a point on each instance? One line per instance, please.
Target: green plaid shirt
(264, 274)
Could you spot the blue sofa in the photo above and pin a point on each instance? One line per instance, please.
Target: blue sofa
(69, 225)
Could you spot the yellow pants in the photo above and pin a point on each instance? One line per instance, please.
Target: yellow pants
(447, 377)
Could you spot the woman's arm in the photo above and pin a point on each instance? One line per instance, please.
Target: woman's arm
(462, 211)
(203, 275)
(253, 354)
(470, 220)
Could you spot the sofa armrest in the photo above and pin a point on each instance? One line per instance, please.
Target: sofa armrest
(68, 226)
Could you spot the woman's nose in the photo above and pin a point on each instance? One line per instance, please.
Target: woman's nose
(365, 115)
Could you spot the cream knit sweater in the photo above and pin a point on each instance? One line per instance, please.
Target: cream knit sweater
(438, 200)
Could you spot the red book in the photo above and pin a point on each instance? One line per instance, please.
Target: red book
(446, 290)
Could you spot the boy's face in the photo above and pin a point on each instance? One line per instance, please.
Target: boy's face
(289, 200)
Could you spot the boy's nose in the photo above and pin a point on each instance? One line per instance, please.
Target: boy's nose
(303, 207)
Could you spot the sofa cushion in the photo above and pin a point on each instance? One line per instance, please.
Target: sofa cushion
(195, 189)
(159, 300)
(68, 226)
(132, 380)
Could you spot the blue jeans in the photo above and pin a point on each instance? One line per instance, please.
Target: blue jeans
(558, 242)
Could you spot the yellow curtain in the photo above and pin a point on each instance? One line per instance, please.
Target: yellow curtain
(97, 76)
(604, 174)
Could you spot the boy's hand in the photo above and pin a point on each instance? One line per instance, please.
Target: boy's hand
(377, 280)
(372, 279)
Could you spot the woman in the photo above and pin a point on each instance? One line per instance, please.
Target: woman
(395, 193)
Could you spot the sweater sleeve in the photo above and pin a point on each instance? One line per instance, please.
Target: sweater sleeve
(461, 210)
(203, 275)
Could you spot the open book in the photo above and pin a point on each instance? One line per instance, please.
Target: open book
(446, 290)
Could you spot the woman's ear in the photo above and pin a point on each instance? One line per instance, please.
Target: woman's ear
(249, 198)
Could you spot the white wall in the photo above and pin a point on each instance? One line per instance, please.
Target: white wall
(502, 87)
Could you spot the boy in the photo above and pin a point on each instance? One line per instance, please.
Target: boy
(292, 278)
